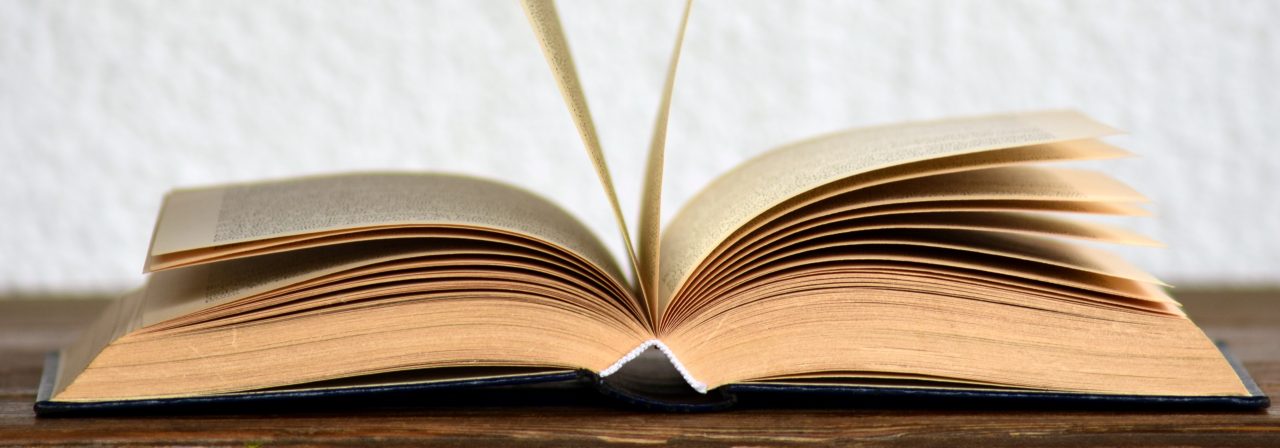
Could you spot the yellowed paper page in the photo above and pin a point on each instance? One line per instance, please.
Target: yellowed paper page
(223, 215)
(122, 316)
(546, 26)
(1002, 183)
(181, 296)
(1032, 186)
(180, 292)
(503, 329)
(651, 197)
(765, 181)
(957, 337)
(1014, 222)
(1011, 245)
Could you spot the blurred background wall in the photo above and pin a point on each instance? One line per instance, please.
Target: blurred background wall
(104, 106)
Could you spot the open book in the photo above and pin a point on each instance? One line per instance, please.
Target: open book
(930, 257)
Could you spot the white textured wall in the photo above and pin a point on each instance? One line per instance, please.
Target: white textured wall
(106, 105)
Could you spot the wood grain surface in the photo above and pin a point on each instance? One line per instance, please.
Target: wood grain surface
(1248, 321)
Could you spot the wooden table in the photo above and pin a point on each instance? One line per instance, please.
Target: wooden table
(1248, 321)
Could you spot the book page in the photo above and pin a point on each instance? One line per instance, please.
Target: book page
(1001, 183)
(768, 180)
(179, 292)
(651, 196)
(1001, 189)
(973, 334)
(546, 26)
(225, 215)
(200, 292)
(122, 316)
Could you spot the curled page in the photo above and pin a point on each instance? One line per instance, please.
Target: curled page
(761, 183)
(651, 196)
(546, 26)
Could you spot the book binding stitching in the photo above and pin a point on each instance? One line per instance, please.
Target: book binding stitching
(675, 362)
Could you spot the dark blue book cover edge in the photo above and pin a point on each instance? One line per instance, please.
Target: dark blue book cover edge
(734, 395)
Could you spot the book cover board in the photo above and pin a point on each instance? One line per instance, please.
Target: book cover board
(633, 390)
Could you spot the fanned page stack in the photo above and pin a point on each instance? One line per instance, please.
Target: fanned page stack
(937, 258)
